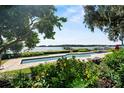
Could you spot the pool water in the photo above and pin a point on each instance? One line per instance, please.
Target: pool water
(54, 58)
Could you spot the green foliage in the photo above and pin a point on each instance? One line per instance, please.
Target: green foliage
(21, 81)
(56, 52)
(67, 48)
(83, 50)
(29, 54)
(115, 59)
(92, 74)
(107, 18)
(32, 40)
(107, 77)
(74, 73)
(9, 56)
(13, 73)
(110, 50)
(5, 83)
(114, 63)
(79, 83)
(60, 74)
(89, 78)
(24, 23)
(64, 72)
(121, 75)
(25, 54)
(16, 48)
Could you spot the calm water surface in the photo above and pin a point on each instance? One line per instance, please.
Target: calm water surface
(38, 49)
(46, 59)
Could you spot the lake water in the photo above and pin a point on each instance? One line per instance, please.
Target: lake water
(38, 49)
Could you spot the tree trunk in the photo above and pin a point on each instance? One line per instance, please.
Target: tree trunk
(6, 46)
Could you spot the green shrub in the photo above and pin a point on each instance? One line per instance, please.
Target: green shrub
(56, 52)
(121, 75)
(25, 54)
(5, 81)
(115, 59)
(75, 50)
(110, 50)
(96, 49)
(107, 77)
(29, 54)
(92, 74)
(64, 72)
(115, 68)
(83, 50)
(79, 83)
(8, 56)
(21, 80)
(90, 78)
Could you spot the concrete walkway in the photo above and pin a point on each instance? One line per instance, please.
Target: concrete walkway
(15, 64)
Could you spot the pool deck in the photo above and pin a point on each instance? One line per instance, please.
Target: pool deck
(15, 64)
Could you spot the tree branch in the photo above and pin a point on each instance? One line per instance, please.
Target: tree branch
(32, 21)
(7, 45)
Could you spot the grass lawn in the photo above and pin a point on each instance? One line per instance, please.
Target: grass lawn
(14, 72)
(25, 70)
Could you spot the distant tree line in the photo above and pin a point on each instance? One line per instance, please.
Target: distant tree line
(76, 45)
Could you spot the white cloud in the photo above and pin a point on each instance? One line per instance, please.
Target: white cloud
(76, 18)
(71, 10)
(74, 13)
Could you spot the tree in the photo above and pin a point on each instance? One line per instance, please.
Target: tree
(109, 19)
(17, 47)
(24, 23)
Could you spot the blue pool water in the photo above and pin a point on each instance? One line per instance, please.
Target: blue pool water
(45, 59)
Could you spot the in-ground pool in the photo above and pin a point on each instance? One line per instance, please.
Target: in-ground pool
(45, 59)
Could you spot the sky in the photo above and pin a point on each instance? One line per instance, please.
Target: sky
(74, 30)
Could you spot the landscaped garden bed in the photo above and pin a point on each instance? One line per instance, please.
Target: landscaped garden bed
(71, 73)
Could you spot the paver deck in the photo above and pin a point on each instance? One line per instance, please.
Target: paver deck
(15, 64)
